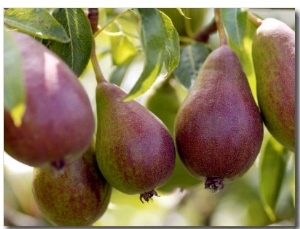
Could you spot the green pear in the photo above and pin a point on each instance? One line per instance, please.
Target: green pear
(135, 152)
(58, 123)
(76, 196)
(218, 128)
(273, 53)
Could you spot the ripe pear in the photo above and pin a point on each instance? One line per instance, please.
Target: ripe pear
(273, 53)
(218, 128)
(58, 123)
(135, 152)
(164, 101)
(76, 196)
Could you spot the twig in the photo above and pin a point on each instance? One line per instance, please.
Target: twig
(220, 27)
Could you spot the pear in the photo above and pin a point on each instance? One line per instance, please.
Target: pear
(273, 53)
(218, 128)
(58, 124)
(164, 101)
(78, 195)
(134, 150)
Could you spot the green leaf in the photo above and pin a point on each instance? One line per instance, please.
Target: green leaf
(36, 22)
(122, 49)
(14, 89)
(117, 75)
(77, 52)
(182, 13)
(172, 52)
(153, 43)
(240, 32)
(191, 59)
(234, 21)
(272, 169)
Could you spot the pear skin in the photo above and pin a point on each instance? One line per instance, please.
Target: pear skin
(135, 152)
(218, 128)
(58, 124)
(273, 53)
(78, 195)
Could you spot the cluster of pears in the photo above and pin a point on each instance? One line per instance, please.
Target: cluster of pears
(55, 137)
(217, 129)
(72, 180)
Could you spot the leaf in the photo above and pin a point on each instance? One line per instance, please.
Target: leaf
(191, 59)
(14, 89)
(77, 52)
(153, 44)
(117, 75)
(240, 32)
(36, 22)
(272, 169)
(172, 52)
(122, 49)
(234, 21)
(182, 13)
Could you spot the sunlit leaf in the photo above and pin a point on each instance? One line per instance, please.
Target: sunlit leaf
(77, 52)
(36, 22)
(14, 90)
(122, 49)
(272, 169)
(182, 13)
(172, 52)
(153, 44)
(191, 59)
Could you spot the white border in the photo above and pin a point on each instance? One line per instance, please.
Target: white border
(154, 3)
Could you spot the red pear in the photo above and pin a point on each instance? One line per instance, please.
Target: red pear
(58, 123)
(218, 128)
(273, 53)
(135, 152)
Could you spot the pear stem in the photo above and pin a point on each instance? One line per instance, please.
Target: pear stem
(98, 73)
(220, 27)
(93, 15)
(254, 19)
